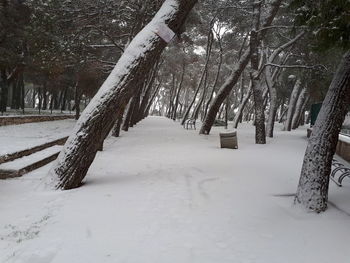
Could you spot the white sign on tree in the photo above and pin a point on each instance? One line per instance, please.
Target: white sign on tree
(165, 32)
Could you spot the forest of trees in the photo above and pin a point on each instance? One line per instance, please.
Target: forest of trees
(261, 61)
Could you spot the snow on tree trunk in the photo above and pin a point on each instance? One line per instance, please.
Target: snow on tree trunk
(138, 59)
(291, 107)
(298, 109)
(313, 185)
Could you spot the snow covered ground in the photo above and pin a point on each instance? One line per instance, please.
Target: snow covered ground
(20, 137)
(162, 194)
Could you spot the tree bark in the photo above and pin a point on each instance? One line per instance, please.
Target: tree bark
(298, 109)
(179, 91)
(291, 107)
(128, 115)
(117, 126)
(313, 185)
(80, 149)
(241, 107)
(4, 90)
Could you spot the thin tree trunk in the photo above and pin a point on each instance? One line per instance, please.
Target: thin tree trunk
(291, 107)
(77, 97)
(179, 91)
(298, 109)
(241, 107)
(128, 116)
(117, 126)
(313, 185)
(44, 96)
(152, 99)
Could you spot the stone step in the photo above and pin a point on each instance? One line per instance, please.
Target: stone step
(26, 164)
(13, 156)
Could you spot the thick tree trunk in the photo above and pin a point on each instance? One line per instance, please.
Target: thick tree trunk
(313, 185)
(258, 91)
(80, 149)
(235, 75)
(291, 107)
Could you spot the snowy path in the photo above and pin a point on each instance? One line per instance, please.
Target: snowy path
(162, 194)
(20, 137)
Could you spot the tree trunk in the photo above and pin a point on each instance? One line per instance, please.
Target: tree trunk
(179, 91)
(258, 92)
(77, 97)
(135, 109)
(80, 149)
(241, 107)
(44, 96)
(146, 112)
(291, 106)
(313, 185)
(117, 126)
(128, 115)
(298, 109)
(4, 90)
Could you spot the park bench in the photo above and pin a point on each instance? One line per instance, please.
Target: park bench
(190, 123)
(339, 172)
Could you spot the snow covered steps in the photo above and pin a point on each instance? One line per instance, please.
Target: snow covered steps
(19, 154)
(26, 164)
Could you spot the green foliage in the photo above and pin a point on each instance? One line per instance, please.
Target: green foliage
(329, 21)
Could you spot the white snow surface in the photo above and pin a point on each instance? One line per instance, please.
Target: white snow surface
(15, 138)
(163, 194)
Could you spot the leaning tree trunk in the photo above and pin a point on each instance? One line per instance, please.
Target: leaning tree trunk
(313, 185)
(80, 149)
(291, 107)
